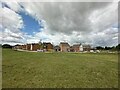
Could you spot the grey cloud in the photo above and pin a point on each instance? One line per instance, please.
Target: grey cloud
(11, 24)
(65, 18)
(72, 17)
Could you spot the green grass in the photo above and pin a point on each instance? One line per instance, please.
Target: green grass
(59, 70)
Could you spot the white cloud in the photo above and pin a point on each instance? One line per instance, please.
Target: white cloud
(11, 24)
(12, 5)
(89, 22)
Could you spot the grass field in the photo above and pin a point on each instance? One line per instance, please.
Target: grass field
(59, 70)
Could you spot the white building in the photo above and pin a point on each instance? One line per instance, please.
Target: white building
(81, 48)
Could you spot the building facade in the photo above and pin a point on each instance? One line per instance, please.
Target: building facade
(57, 49)
(65, 47)
(86, 47)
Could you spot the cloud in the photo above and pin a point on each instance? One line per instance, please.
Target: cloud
(81, 22)
(12, 5)
(11, 24)
(64, 17)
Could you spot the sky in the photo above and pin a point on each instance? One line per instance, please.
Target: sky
(94, 23)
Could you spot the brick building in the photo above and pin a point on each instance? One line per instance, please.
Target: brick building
(65, 47)
(57, 48)
(47, 46)
(86, 47)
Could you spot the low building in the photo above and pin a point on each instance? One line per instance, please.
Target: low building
(32, 47)
(76, 47)
(71, 49)
(65, 47)
(81, 48)
(24, 47)
(47, 46)
(57, 48)
(35, 46)
(86, 47)
(29, 47)
(17, 46)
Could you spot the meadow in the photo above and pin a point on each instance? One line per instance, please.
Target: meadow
(59, 70)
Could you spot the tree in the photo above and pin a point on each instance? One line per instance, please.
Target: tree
(99, 48)
(0, 45)
(108, 48)
(6, 46)
(118, 47)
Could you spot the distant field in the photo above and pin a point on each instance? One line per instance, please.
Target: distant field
(59, 70)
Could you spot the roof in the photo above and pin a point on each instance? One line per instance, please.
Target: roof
(86, 46)
(76, 45)
(46, 43)
(64, 43)
(57, 46)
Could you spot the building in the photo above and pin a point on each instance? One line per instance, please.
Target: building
(86, 47)
(76, 47)
(17, 46)
(29, 47)
(47, 46)
(65, 47)
(71, 49)
(24, 47)
(35, 46)
(32, 46)
(81, 48)
(57, 48)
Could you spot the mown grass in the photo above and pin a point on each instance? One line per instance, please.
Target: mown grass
(59, 70)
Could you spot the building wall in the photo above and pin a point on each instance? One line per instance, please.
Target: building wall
(65, 47)
(24, 47)
(76, 48)
(81, 48)
(35, 47)
(28, 46)
(86, 48)
(57, 49)
(49, 46)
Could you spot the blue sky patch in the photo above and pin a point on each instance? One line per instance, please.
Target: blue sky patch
(30, 24)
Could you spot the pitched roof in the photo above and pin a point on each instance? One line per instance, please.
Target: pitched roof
(76, 45)
(64, 43)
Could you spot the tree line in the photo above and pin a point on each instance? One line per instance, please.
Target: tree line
(113, 48)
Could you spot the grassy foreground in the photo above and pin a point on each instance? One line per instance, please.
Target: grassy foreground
(59, 70)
